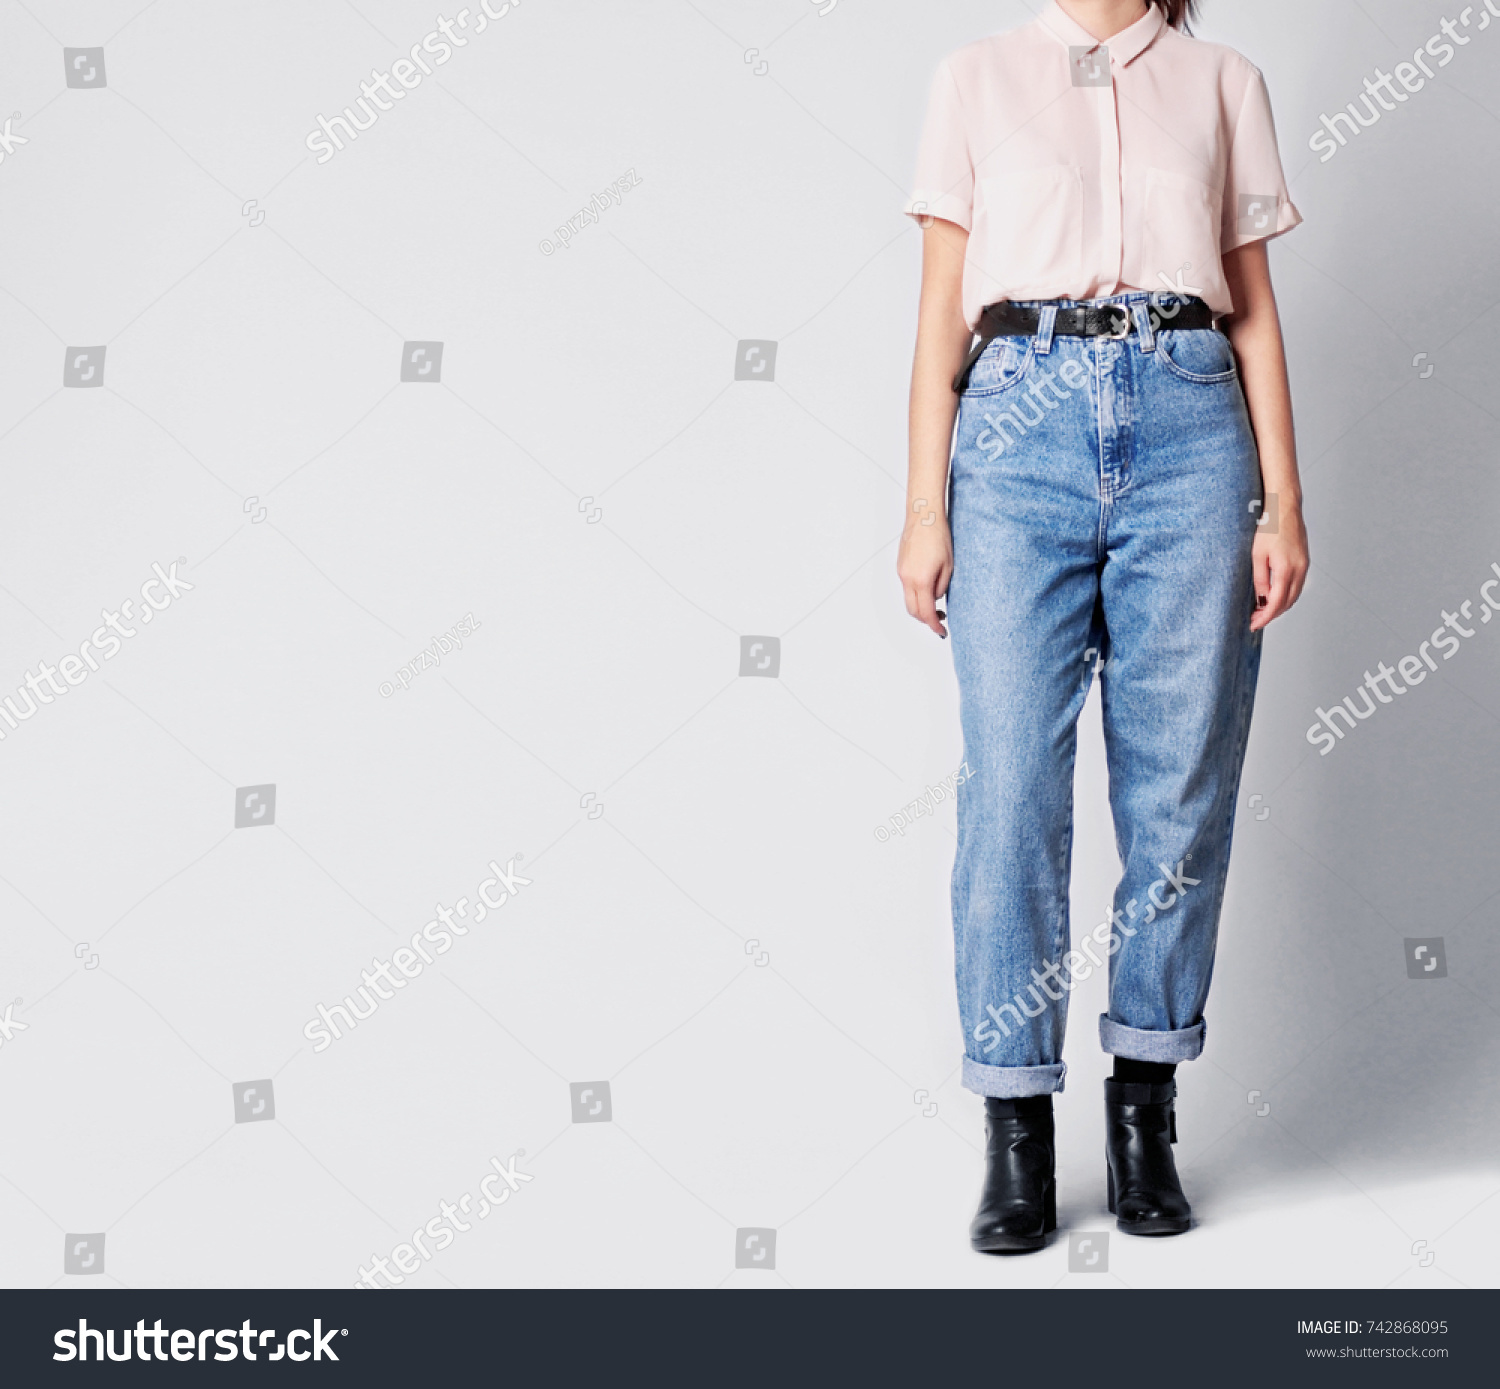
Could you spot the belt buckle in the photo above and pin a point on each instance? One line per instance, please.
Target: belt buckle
(1126, 323)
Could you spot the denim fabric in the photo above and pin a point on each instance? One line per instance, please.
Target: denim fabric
(1103, 504)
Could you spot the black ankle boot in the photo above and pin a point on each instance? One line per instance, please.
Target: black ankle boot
(1018, 1207)
(1139, 1130)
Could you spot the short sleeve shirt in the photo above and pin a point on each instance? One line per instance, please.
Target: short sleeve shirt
(1082, 169)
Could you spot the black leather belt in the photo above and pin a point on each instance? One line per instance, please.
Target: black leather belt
(1007, 320)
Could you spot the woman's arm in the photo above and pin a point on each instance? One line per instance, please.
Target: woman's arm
(925, 561)
(1280, 560)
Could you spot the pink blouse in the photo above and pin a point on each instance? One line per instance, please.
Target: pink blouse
(1082, 169)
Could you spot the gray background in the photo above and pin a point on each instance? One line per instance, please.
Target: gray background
(765, 985)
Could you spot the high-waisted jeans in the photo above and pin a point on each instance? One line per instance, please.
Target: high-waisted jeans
(1103, 499)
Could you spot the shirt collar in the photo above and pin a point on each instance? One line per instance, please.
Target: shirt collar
(1124, 47)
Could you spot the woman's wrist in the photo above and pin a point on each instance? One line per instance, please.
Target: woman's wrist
(1280, 479)
(924, 510)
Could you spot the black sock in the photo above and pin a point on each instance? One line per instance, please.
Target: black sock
(1144, 1072)
(1024, 1108)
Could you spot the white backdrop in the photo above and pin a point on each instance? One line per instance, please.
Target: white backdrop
(205, 333)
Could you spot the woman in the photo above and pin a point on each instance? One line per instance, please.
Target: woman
(1096, 191)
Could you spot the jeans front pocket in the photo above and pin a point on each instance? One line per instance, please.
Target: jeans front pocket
(1004, 362)
(1200, 355)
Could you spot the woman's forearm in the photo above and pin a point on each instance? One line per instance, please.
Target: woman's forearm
(942, 341)
(925, 560)
(1279, 558)
(1255, 333)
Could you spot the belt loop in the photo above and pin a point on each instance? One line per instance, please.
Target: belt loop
(1142, 313)
(1045, 329)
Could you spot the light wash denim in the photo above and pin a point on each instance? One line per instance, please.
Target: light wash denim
(1103, 498)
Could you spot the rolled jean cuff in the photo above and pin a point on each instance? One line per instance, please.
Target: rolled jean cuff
(1013, 1082)
(1138, 1044)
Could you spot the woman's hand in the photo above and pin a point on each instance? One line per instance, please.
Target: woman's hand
(925, 562)
(1280, 567)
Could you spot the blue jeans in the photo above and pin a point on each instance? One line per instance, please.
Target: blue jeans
(1103, 499)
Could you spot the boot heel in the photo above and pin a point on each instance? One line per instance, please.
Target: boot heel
(1109, 1176)
(1049, 1223)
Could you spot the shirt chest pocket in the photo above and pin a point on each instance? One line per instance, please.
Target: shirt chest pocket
(1180, 238)
(1033, 233)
